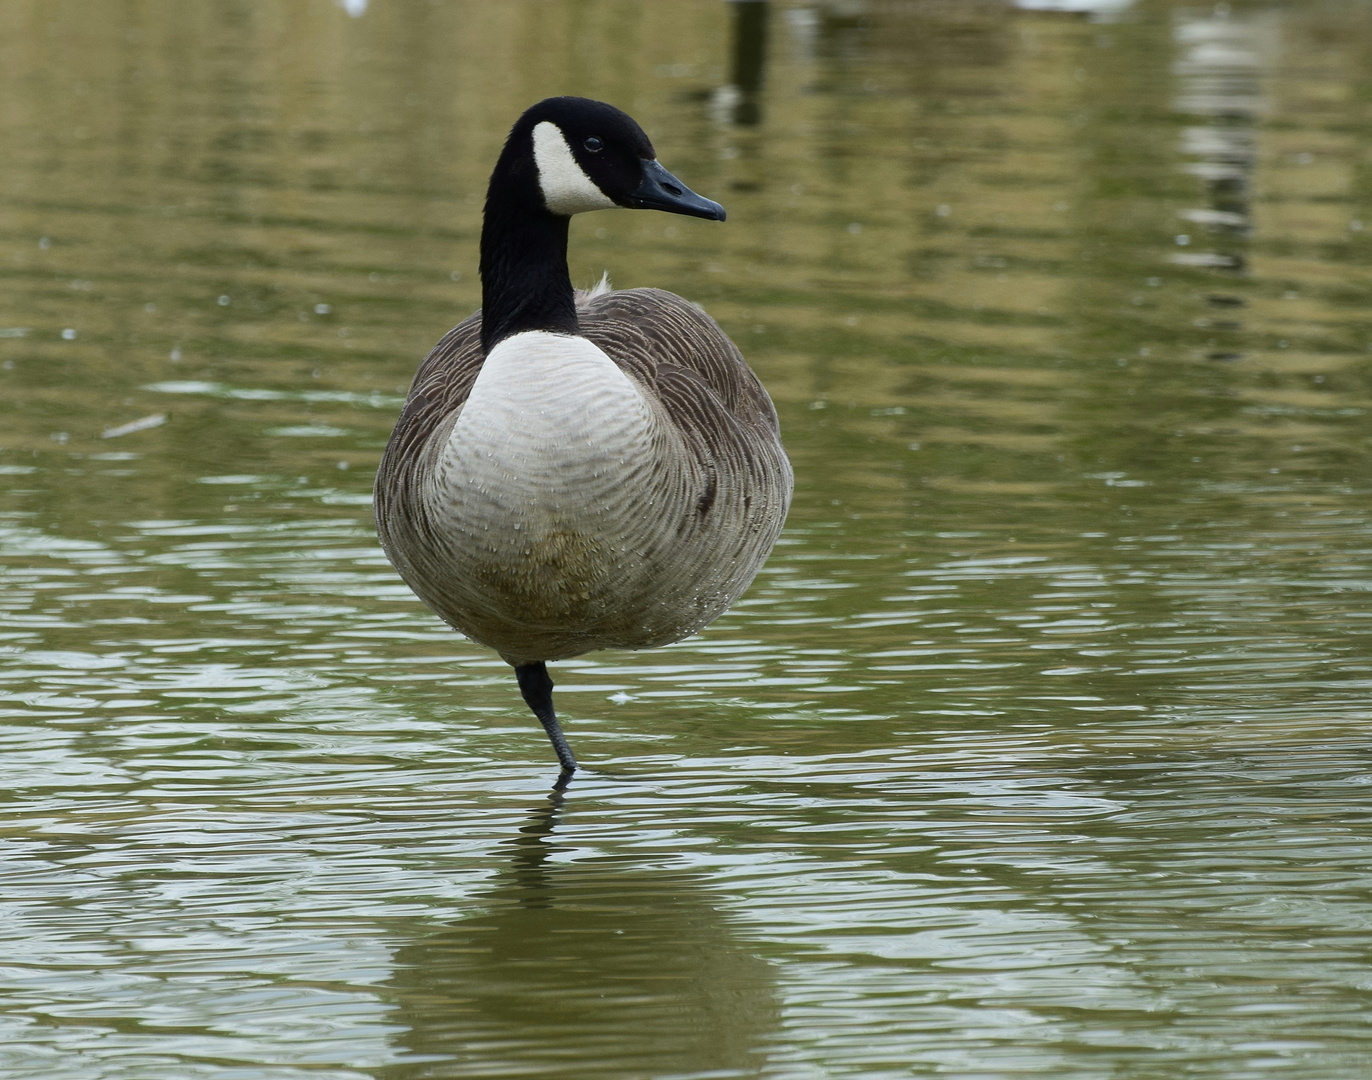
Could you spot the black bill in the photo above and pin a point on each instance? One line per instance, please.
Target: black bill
(661, 190)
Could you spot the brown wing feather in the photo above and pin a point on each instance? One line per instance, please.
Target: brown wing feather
(440, 386)
(647, 330)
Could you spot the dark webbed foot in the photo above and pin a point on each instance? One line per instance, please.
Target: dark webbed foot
(537, 687)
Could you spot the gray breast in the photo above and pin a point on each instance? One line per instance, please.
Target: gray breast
(714, 497)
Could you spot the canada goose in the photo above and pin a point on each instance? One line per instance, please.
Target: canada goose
(576, 471)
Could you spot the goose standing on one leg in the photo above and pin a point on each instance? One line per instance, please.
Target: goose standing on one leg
(575, 472)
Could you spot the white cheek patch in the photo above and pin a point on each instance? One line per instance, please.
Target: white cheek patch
(566, 187)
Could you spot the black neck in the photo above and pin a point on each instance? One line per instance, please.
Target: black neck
(524, 279)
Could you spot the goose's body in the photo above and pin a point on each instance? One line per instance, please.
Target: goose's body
(575, 472)
(616, 489)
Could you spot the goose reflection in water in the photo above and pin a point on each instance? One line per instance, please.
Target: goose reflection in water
(595, 967)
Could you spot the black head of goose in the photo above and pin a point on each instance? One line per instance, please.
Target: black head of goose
(579, 471)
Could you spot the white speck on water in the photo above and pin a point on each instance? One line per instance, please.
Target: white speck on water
(143, 424)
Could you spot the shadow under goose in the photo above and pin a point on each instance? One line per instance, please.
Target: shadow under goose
(582, 967)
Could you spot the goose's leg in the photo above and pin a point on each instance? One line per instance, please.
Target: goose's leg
(537, 687)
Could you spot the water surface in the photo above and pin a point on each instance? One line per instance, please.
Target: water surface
(1038, 749)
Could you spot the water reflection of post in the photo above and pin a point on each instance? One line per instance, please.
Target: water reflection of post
(587, 967)
(740, 102)
(1218, 71)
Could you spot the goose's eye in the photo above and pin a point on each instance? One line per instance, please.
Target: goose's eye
(593, 144)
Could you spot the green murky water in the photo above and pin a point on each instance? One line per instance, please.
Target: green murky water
(1040, 747)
